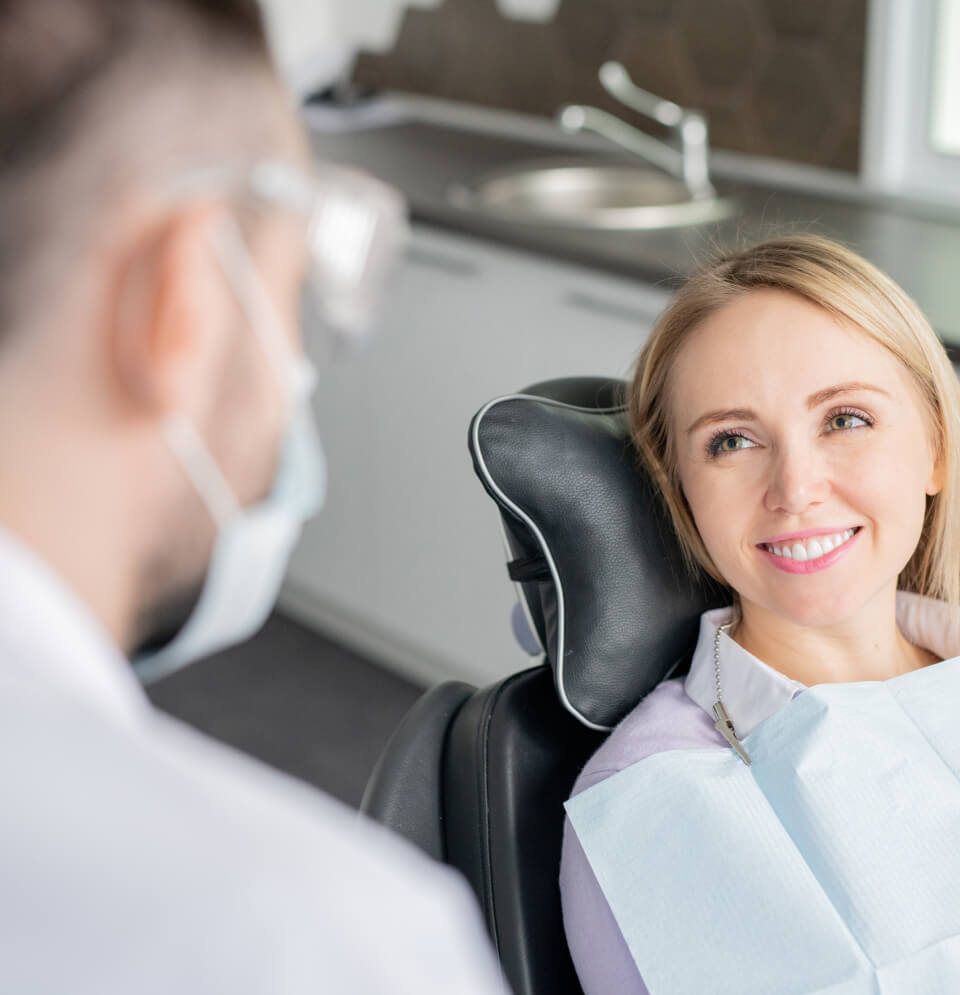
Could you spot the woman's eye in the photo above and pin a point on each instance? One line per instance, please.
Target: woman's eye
(845, 420)
(730, 444)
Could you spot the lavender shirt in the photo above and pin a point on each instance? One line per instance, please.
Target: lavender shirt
(677, 715)
(665, 720)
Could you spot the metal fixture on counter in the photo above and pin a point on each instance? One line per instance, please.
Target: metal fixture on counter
(690, 163)
(670, 188)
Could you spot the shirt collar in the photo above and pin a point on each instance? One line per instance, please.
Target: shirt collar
(753, 690)
(49, 637)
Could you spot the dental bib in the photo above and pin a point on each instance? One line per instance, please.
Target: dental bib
(830, 865)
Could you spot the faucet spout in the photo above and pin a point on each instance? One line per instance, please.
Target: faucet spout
(690, 163)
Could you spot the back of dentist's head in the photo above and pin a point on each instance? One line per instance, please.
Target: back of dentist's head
(119, 315)
(104, 98)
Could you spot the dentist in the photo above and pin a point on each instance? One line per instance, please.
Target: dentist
(159, 217)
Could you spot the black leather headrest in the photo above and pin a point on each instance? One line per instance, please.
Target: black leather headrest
(595, 553)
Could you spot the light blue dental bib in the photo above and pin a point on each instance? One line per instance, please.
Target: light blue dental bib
(832, 864)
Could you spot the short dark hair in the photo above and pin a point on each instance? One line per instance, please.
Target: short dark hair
(74, 74)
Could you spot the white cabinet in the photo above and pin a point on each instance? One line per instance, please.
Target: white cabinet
(405, 562)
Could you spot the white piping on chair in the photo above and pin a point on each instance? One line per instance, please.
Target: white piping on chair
(528, 521)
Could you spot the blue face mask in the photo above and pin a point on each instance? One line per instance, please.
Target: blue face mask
(253, 545)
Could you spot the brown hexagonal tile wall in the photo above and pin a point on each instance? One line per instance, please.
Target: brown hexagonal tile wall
(587, 33)
(799, 18)
(637, 10)
(724, 41)
(655, 56)
(793, 107)
(779, 78)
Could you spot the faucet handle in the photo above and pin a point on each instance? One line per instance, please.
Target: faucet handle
(617, 82)
(691, 162)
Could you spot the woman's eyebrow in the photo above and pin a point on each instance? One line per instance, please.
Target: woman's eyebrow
(828, 393)
(723, 414)
(816, 398)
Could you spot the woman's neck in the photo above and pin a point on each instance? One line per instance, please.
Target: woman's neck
(866, 647)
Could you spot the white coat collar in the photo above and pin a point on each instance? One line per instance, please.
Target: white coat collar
(49, 639)
(753, 690)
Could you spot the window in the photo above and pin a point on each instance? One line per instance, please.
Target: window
(911, 132)
(945, 117)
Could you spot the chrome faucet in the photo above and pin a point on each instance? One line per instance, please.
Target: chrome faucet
(689, 163)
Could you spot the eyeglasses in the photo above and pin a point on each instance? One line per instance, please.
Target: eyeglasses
(356, 227)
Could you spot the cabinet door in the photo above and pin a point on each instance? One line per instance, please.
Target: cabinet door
(406, 562)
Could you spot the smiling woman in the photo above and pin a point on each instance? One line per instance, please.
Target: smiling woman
(793, 391)
(802, 422)
(790, 328)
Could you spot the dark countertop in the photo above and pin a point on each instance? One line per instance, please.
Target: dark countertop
(919, 246)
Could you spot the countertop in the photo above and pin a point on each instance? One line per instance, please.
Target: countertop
(424, 153)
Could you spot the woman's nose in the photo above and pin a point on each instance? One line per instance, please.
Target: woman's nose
(798, 479)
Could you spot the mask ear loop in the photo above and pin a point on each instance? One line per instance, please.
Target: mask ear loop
(180, 433)
(200, 467)
(247, 284)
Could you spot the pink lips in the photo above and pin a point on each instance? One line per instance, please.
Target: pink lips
(810, 566)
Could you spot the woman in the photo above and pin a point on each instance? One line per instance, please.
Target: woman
(802, 421)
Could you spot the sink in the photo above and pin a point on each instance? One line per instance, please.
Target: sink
(587, 194)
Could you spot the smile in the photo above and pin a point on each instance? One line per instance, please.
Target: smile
(812, 548)
(812, 553)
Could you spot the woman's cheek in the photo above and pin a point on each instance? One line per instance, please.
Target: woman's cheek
(716, 526)
(890, 491)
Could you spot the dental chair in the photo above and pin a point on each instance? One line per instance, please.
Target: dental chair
(478, 778)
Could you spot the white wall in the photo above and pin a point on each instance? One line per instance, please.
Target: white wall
(305, 41)
(405, 562)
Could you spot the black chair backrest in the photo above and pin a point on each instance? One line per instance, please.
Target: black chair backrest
(405, 790)
(595, 553)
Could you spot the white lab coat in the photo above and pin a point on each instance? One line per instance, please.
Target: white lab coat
(138, 856)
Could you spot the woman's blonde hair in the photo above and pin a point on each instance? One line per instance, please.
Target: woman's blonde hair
(855, 292)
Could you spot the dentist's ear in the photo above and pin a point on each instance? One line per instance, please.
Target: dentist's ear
(169, 315)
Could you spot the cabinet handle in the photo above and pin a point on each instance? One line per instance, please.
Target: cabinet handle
(451, 265)
(581, 301)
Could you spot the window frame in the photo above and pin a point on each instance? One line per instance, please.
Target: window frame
(897, 153)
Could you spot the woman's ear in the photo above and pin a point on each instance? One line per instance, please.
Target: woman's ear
(937, 477)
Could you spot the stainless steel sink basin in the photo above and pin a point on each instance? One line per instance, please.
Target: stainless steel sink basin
(588, 195)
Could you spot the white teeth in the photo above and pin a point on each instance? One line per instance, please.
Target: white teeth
(811, 549)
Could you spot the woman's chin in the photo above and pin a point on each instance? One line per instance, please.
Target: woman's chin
(813, 612)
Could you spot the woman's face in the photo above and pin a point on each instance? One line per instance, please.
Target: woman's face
(803, 453)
